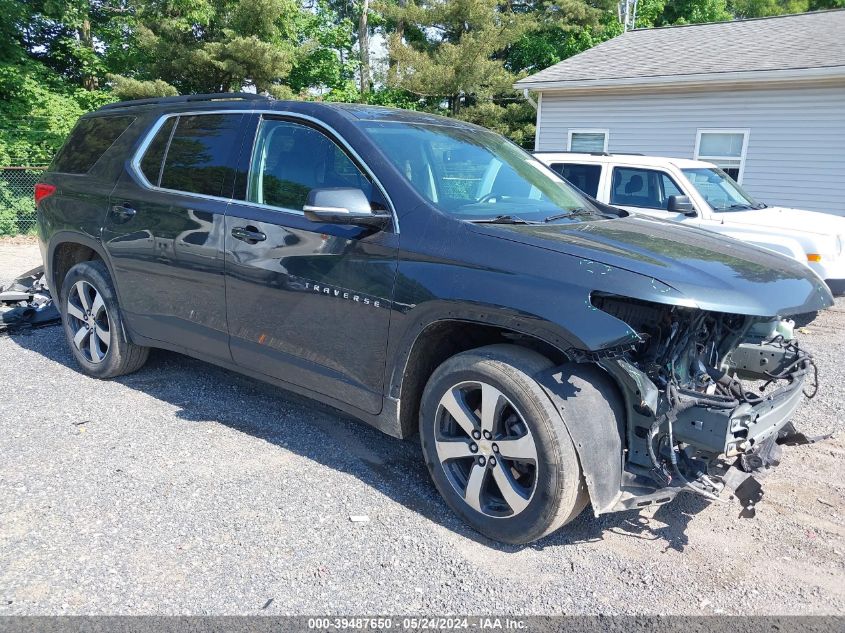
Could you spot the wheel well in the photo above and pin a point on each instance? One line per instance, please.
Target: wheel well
(65, 257)
(442, 340)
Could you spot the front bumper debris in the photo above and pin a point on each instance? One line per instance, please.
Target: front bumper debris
(27, 303)
(683, 438)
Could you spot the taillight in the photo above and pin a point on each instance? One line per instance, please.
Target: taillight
(42, 191)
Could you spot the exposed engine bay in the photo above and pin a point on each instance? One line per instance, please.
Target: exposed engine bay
(705, 386)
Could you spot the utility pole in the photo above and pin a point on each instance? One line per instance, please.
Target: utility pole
(626, 10)
(364, 48)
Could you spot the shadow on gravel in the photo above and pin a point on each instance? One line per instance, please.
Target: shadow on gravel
(206, 393)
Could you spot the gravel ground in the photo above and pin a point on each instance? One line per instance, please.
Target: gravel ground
(187, 489)
(17, 255)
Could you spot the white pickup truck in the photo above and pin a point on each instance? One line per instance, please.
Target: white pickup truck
(700, 194)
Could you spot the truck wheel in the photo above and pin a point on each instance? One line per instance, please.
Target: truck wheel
(92, 325)
(496, 448)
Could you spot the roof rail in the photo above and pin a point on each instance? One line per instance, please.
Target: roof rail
(219, 96)
(572, 151)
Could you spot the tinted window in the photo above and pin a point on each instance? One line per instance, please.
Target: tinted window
(290, 159)
(202, 154)
(151, 163)
(585, 177)
(647, 188)
(88, 141)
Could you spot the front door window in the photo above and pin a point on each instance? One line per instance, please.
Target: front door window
(643, 188)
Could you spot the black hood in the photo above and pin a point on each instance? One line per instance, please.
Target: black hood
(716, 272)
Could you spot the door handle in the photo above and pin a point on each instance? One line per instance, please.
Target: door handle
(248, 234)
(123, 212)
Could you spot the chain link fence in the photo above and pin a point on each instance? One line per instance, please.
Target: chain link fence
(17, 205)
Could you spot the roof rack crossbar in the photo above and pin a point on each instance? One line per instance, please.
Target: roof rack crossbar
(220, 96)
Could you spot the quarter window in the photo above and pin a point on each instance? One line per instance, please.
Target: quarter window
(724, 148)
(646, 188)
(588, 141)
(88, 141)
(291, 159)
(585, 177)
(201, 155)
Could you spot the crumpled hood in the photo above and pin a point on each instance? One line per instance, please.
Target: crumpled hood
(715, 272)
(793, 220)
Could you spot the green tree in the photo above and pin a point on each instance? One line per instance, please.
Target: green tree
(324, 59)
(763, 8)
(562, 28)
(215, 45)
(460, 59)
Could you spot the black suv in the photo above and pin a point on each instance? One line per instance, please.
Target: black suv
(422, 273)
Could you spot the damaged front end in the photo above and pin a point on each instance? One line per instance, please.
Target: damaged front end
(701, 388)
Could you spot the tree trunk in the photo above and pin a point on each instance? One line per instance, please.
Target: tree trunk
(89, 81)
(454, 104)
(400, 32)
(364, 47)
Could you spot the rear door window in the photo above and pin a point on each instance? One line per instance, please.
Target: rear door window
(202, 154)
(585, 177)
(646, 188)
(88, 141)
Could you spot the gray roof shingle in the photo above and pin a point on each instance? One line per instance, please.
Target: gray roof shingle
(804, 41)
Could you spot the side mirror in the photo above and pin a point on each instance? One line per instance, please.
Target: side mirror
(342, 205)
(681, 204)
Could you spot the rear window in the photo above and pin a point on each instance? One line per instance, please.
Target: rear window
(202, 154)
(88, 141)
(585, 177)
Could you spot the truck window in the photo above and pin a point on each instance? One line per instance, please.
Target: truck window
(646, 188)
(585, 177)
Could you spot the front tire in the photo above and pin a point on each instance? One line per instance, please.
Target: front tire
(496, 448)
(92, 325)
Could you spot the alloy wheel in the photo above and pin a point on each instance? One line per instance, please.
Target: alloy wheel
(486, 449)
(89, 321)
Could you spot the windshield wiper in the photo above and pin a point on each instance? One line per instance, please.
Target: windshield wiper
(737, 207)
(573, 212)
(504, 219)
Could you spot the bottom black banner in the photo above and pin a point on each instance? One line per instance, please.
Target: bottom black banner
(531, 624)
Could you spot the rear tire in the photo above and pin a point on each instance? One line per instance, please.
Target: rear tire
(496, 448)
(92, 323)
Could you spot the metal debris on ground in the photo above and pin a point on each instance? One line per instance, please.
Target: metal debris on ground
(27, 303)
(362, 518)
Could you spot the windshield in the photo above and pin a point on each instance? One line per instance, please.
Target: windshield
(721, 191)
(476, 175)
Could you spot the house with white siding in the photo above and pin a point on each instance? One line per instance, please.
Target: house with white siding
(764, 99)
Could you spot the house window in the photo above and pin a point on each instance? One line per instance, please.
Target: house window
(588, 141)
(724, 148)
